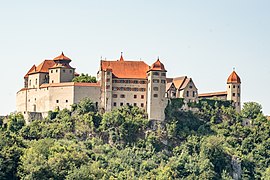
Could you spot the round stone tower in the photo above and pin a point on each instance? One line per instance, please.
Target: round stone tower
(156, 100)
(234, 90)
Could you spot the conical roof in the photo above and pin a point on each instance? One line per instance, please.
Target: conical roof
(157, 66)
(233, 78)
(62, 57)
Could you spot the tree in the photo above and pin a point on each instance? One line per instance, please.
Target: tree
(251, 110)
(85, 78)
(15, 122)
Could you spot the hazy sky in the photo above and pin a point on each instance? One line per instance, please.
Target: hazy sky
(202, 39)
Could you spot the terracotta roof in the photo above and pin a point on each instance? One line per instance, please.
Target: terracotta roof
(233, 78)
(169, 85)
(213, 94)
(31, 69)
(57, 65)
(178, 81)
(43, 67)
(62, 57)
(126, 69)
(157, 66)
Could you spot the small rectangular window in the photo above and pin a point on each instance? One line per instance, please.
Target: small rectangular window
(135, 96)
(108, 73)
(155, 95)
(127, 104)
(233, 94)
(114, 95)
(155, 73)
(114, 104)
(155, 88)
(163, 74)
(135, 104)
(70, 71)
(190, 87)
(163, 81)
(57, 101)
(51, 71)
(142, 96)
(122, 96)
(238, 94)
(155, 80)
(64, 70)
(142, 105)
(193, 93)
(187, 93)
(121, 104)
(66, 101)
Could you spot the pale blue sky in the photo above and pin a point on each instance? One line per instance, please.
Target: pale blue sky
(202, 39)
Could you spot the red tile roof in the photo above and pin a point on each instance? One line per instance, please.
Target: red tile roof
(233, 78)
(157, 66)
(31, 69)
(62, 57)
(213, 94)
(126, 69)
(42, 68)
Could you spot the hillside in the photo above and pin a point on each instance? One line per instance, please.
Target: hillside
(209, 142)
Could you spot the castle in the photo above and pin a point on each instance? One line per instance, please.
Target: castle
(119, 82)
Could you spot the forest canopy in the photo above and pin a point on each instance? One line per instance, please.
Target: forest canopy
(211, 142)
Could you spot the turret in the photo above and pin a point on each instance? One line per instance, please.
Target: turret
(234, 90)
(108, 89)
(61, 71)
(156, 100)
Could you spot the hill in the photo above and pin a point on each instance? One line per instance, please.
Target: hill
(207, 140)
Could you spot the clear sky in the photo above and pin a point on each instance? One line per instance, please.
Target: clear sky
(203, 39)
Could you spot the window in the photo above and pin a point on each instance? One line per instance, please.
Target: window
(70, 71)
(155, 95)
(121, 104)
(142, 89)
(122, 81)
(233, 94)
(108, 79)
(136, 82)
(142, 96)
(142, 105)
(142, 82)
(190, 87)
(128, 89)
(64, 70)
(127, 104)
(135, 104)
(51, 71)
(163, 74)
(114, 95)
(57, 101)
(114, 88)
(155, 88)
(121, 89)
(155, 81)
(56, 70)
(187, 93)
(233, 86)
(52, 81)
(66, 101)
(238, 94)
(108, 73)
(193, 93)
(114, 104)
(135, 89)
(122, 96)
(229, 86)
(163, 81)
(135, 96)
(30, 83)
(238, 86)
(108, 87)
(155, 73)
(36, 81)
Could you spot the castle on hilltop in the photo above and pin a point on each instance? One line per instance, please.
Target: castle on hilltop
(119, 82)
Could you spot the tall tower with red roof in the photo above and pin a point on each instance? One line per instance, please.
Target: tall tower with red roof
(156, 100)
(234, 90)
(61, 71)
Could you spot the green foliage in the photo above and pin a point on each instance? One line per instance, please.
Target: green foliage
(251, 110)
(81, 143)
(85, 78)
